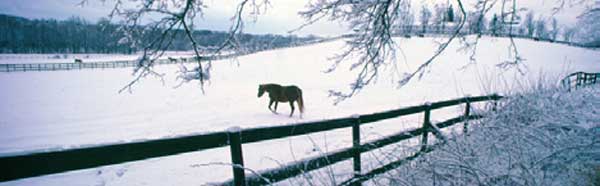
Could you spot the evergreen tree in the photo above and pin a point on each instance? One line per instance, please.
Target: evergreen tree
(450, 16)
(494, 25)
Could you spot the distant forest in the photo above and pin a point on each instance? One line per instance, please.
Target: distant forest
(76, 35)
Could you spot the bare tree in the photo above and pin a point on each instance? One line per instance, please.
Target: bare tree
(407, 17)
(589, 26)
(425, 17)
(440, 16)
(529, 24)
(541, 31)
(477, 22)
(553, 33)
(568, 33)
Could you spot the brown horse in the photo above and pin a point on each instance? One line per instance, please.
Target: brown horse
(278, 93)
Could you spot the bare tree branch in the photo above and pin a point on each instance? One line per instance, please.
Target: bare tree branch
(371, 46)
(421, 69)
(155, 37)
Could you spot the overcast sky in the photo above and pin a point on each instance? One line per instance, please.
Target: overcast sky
(279, 18)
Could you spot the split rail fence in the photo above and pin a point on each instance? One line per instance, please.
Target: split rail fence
(132, 63)
(580, 79)
(96, 65)
(43, 163)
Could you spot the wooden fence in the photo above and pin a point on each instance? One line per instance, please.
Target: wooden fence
(96, 65)
(133, 63)
(580, 79)
(43, 163)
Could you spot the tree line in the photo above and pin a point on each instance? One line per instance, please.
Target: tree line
(442, 15)
(77, 35)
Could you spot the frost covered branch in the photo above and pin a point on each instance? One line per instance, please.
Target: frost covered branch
(370, 47)
(372, 22)
(544, 137)
(152, 25)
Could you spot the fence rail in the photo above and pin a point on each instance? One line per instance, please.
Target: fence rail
(580, 79)
(96, 65)
(132, 63)
(42, 163)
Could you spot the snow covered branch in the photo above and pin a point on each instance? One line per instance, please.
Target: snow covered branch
(373, 24)
(544, 137)
(142, 29)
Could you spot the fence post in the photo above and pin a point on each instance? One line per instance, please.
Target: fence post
(426, 125)
(578, 80)
(356, 145)
(467, 112)
(236, 156)
(568, 83)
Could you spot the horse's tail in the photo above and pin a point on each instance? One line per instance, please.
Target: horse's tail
(300, 101)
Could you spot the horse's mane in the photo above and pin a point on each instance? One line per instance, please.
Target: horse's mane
(270, 85)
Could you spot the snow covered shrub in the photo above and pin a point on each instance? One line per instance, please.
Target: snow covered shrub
(594, 175)
(541, 137)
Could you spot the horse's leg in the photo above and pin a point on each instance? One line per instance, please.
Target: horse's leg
(292, 105)
(274, 111)
(271, 103)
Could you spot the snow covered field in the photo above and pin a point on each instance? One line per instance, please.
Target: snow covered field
(65, 109)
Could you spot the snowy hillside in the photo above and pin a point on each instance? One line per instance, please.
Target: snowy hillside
(64, 109)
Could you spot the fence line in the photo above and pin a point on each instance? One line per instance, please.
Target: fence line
(24, 67)
(42, 163)
(580, 79)
(96, 65)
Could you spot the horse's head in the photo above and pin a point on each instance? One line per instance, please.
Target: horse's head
(261, 90)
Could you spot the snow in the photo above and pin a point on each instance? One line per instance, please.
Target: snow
(539, 137)
(66, 109)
